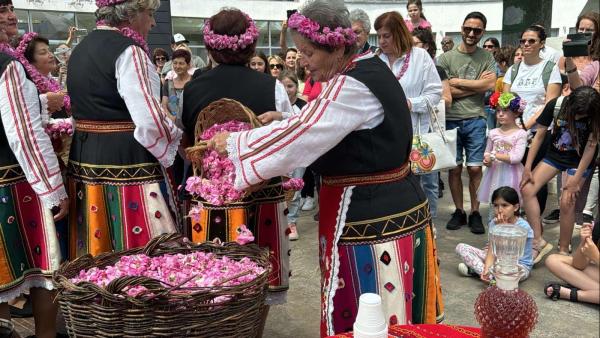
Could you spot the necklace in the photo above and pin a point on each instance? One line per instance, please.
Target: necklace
(404, 66)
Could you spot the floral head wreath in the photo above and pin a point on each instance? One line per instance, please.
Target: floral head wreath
(510, 101)
(43, 83)
(104, 3)
(326, 36)
(235, 42)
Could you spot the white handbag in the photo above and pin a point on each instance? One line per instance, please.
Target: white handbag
(432, 151)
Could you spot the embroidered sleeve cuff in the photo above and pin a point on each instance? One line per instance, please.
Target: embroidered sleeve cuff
(169, 157)
(54, 198)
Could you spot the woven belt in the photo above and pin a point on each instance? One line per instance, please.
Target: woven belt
(102, 127)
(365, 179)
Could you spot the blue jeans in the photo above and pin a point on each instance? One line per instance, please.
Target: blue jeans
(294, 205)
(491, 117)
(470, 139)
(429, 183)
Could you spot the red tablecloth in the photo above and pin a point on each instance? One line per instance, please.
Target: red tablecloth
(426, 331)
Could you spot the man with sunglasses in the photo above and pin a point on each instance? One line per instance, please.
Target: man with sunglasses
(472, 72)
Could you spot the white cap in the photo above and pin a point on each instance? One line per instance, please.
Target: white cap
(179, 38)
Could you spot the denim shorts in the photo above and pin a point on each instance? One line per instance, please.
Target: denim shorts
(570, 171)
(470, 139)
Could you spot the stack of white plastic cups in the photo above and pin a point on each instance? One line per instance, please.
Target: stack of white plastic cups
(370, 321)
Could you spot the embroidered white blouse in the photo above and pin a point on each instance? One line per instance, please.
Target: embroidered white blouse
(22, 121)
(139, 85)
(344, 105)
(420, 82)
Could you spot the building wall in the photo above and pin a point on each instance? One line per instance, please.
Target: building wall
(53, 17)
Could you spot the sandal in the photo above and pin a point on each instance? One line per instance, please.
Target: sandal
(541, 252)
(555, 295)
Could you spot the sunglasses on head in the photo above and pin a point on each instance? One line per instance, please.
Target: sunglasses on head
(276, 65)
(476, 31)
(530, 41)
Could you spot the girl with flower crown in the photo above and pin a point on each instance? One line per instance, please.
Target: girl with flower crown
(121, 195)
(505, 148)
(375, 231)
(31, 188)
(572, 149)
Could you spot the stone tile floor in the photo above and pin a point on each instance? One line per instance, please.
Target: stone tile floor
(299, 318)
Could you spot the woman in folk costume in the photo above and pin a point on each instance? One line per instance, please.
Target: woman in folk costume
(31, 186)
(375, 231)
(230, 37)
(120, 194)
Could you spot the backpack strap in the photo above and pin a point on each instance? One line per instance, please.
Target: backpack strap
(547, 72)
(514, 69)
(559, 102)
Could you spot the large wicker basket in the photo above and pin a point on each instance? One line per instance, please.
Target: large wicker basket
(92, 311)
(218, 112)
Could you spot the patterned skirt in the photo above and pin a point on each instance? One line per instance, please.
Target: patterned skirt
(29, 242)
(109, 218)
(263, 214)
(392, 254)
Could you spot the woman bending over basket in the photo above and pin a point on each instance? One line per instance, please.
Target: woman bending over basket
(120, 195)
(31, 186)
(358, 134)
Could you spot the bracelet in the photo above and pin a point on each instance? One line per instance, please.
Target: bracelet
(571, 71)
(493, 156)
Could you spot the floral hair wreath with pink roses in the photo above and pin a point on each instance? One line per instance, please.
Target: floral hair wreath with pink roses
(326, 36)
(104, 3)
(235, 42)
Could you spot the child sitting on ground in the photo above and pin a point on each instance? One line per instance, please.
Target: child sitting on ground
(580, 272)
(477, 262)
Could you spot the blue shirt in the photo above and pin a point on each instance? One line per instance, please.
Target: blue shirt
(527, 259)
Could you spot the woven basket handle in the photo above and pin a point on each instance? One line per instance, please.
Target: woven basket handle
(116, 286)
(170, 240)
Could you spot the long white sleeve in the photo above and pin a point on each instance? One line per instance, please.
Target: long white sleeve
(139, 85)
(431, 87)
(20, 110)
(343, 106)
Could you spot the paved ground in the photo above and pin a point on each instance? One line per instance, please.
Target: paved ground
(299, 318)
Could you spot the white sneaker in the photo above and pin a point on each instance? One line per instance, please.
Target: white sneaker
(309, 204)
(293, 232)
(464, 270)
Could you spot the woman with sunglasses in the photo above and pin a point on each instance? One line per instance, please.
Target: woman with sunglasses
(159, 58)
(276, 65)
(491, 45)
(536, 81)
(586, 23)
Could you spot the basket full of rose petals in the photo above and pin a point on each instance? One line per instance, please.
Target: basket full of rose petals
(213, 173)
(169, 288)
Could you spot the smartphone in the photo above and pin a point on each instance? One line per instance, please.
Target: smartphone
(291, 12)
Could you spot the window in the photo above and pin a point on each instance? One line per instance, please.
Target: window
(23, 21)
(263, 33)
(52, 25)
(85, 22)
(191, 28)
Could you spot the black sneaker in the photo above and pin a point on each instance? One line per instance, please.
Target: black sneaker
(553, 217)
(475, 223)
(459, 218)
(587, 218)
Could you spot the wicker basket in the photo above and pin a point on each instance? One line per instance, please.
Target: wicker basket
(218, 112)
(92, 311)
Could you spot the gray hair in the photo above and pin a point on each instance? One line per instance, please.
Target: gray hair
(331, 14)
(124, 12)
(358, 15)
